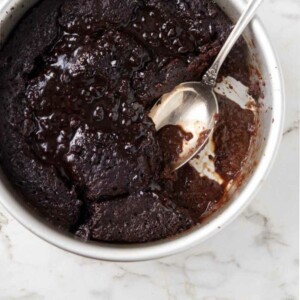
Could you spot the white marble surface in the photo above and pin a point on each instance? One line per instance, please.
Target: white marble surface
(256, 257)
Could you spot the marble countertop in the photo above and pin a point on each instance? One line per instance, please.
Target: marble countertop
(255, 257)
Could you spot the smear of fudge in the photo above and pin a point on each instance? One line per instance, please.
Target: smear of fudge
(171, 140)
(196, 193)
(232, 136)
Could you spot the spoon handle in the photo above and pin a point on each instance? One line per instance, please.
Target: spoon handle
(210, 77)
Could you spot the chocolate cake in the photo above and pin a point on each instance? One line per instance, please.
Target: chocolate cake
(77, 81)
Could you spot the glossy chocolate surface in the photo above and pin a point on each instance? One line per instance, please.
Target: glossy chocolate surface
(77, 80)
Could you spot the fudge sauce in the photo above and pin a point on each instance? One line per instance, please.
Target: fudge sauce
(77, 81)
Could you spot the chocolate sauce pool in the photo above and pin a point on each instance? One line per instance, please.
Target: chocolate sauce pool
(77, 81)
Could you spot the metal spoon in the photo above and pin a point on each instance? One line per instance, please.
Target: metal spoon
(193, 105)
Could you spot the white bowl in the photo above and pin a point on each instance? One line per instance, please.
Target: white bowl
(267, 144)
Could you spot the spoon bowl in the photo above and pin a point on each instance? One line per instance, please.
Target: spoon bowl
(194, 107)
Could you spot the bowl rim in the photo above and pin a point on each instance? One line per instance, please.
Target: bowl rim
(155, 250)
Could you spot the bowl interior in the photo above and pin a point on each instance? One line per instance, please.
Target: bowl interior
(261, 57)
